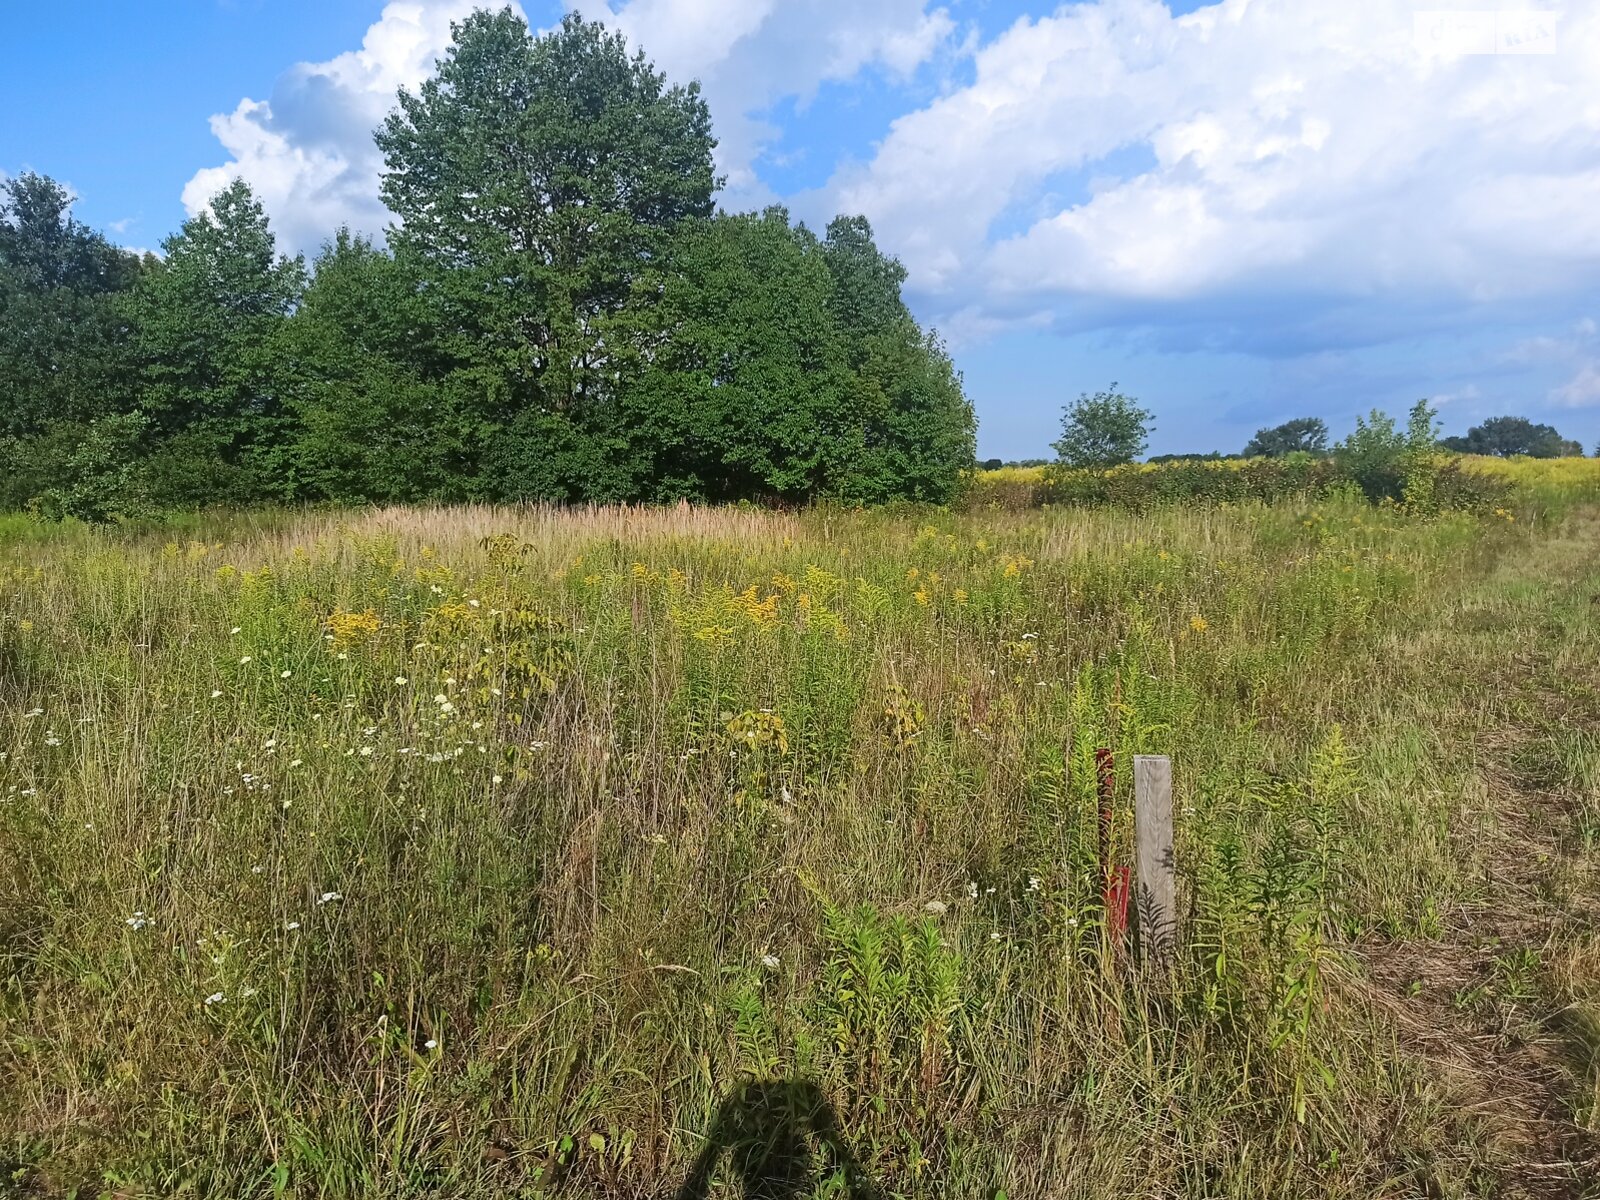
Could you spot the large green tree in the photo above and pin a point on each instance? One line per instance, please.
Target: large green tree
(367, 388)
(208, 322)
(534, 180)
(917, 429)
(64, 335)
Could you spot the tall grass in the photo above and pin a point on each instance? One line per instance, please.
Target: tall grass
(489, 851)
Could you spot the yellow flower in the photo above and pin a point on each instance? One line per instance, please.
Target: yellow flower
(347, 628)
(1198, 623)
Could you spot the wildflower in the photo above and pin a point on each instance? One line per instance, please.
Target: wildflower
(257, 869)
(52, 740)
(972, 890)
(34, 712)
(215, 998)
(400, 681)
(329, 898)
(769, 961)
(1198, 623)
(269, 744)
(936, 907)
(216, 693)
(138, 921)
(1034, 883)
(430, 1044)
(285, 674)
(235, 629)
(299, 762)
(995, 936)
(244, 660)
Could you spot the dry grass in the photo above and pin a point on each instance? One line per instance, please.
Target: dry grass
(673, 801)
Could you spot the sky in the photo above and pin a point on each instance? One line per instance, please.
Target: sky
(1241, 212)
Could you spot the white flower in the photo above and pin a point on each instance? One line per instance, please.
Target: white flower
(291, 926)
(329, 897)
(34, 712)
(235, 629)
(1034, 883)
(257, 869)
(936, 907)
(215, 998)
(52, 740)
(769, 961)
(496, 779)
(285, 674)
(972, 890)
(400, 681)
(244, 660)
(995, 937)
(216, 693)
(1072, 922)
(366, 752)
(137, 921)
(299, 762)
(474, 604)
(430, 1044)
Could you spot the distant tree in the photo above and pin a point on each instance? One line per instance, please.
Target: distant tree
(1507, 436)
(1307, 434)
(1209, 456)
(1106, 429)
(991, 464)
(207, 323)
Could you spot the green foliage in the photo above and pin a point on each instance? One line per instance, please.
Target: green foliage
(1508, 436)
(207, 320)
(1104, 430)
(1307, 435)
(561, 318)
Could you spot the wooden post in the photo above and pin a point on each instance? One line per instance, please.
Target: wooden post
(1158, 874)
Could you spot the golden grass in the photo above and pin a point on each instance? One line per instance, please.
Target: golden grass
(492, 851)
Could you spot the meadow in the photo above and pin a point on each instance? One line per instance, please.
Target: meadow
(619, 852)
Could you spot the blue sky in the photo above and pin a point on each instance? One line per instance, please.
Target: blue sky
(1242, 212)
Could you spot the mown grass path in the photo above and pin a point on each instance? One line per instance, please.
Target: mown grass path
(1502, 998)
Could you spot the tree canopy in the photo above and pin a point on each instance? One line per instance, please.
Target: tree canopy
(1308, 435)
(559, 312)
(1104, 430)
(1506, 436)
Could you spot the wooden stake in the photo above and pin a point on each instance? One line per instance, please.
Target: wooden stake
(1158, 872)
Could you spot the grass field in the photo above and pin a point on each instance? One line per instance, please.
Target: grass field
(483, 852)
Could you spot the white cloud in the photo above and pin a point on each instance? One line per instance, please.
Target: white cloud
(750, 54)
(309, 154)
(1582, 390)
(1307, 151)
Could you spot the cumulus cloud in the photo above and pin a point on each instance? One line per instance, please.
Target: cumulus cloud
(308, 150)
(750, 54)
(1307, 165)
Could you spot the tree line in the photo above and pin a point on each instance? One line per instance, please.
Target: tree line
(1108, 429)
(559, 312)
